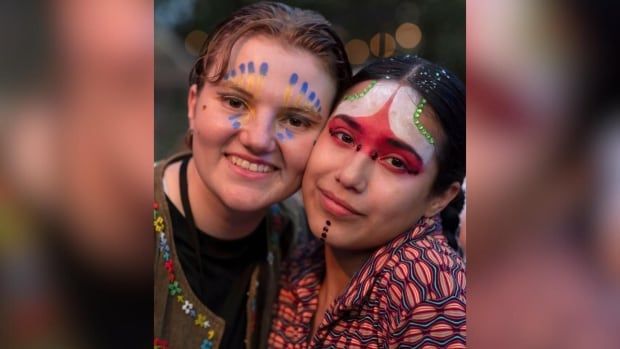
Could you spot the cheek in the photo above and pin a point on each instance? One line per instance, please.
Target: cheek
(296, 153)
(210, 127)
(325, 155)
(395, 206)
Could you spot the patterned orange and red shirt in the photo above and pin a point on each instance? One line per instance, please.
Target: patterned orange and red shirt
(409, 294)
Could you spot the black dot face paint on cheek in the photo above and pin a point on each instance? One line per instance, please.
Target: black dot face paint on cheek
(325, 230)
(374, 155)
(358, 148)
(204, 106)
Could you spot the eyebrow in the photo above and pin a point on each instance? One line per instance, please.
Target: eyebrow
(399, 144)
(349, 121)
(306, 111)
(239, 89)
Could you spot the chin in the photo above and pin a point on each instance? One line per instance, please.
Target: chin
(245, 200)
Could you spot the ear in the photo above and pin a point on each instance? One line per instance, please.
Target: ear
(440, 201)
(192, 100)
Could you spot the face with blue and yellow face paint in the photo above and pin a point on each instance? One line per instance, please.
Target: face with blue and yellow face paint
(253, 130)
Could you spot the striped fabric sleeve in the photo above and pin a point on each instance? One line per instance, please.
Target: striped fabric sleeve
(431, 324)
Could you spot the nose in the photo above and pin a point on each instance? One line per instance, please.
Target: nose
(354, 174)
(257, 135)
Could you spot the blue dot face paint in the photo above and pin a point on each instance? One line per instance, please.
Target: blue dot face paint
(299, 97)
(286, 135)
(293, 79)
(295, 96)
(234, 121)
(245, 112)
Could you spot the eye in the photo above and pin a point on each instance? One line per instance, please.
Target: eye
(397, 164)
(234, 102)
(342, 136)
(297, 121)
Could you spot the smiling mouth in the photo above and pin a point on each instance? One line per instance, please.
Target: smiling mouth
(250, 166)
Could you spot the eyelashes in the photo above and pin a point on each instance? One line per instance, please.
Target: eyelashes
(297, 121)
(392, 162)
(233, 102)
(342, 136)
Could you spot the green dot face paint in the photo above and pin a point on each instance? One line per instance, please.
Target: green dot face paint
(387, 111)
(362, 93)
(419, 124)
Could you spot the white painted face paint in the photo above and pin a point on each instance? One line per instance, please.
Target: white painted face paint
(400, 113)
(401, 122)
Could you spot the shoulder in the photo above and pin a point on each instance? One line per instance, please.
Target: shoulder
(166, 175)
(163, 165)
(421, 270)
(422, 294)
(304, 261)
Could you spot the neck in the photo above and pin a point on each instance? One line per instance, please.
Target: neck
(212, 216)
(340, 266)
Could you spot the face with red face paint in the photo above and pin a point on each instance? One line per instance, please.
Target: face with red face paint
(371, 171)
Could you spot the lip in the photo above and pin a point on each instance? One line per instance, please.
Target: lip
(336, 206)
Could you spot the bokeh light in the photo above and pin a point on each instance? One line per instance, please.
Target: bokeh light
(357, 50)
(194, 41)
(382, 45)
(408, 35)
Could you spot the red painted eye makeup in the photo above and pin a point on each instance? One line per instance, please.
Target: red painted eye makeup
(372, 136)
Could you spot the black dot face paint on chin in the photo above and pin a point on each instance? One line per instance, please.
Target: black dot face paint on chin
(325, 230)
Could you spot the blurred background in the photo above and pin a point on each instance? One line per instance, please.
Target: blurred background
(78, 140)
(543, 174)
(369, 29)
(76, 159)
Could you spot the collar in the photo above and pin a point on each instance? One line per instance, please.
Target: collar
(361, 284)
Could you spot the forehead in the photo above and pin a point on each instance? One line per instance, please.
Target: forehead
(271, 68)
(399, 115)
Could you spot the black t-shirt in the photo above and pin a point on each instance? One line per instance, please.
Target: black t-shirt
(227, 266)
